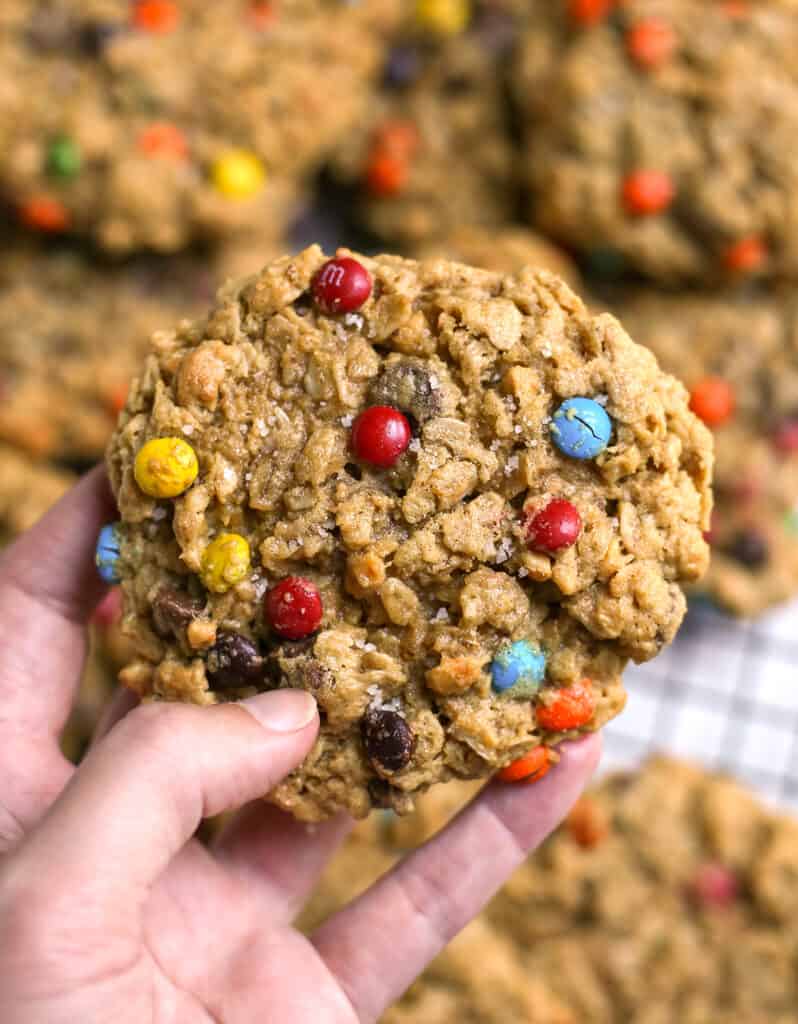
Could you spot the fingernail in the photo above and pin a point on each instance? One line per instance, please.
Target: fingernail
(281, 710)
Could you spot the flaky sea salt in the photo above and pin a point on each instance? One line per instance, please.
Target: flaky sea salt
(415, 445)
(187, 429)
(441, 615)
(347, 420)
(601, 399)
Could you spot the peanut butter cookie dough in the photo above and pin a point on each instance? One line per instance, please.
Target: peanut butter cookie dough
(449, 503)
(71, 335)
(659, 135)
(739, 357)
(151, 123)
(435, 150)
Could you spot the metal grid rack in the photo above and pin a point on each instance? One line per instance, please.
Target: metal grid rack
(725, 694)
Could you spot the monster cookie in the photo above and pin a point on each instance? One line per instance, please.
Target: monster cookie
(667, 895)
(71, 336)
(435, 150)
(739, 358)
(28, 490)
(149, 123)
(449, 503)
(658, 135)
(506, 249)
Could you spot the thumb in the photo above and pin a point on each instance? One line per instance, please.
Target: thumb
(141, 793)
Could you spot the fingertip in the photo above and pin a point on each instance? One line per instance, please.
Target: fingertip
(283, 711)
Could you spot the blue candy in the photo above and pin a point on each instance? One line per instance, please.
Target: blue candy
(106, 554)
(581, 428)
(519, 666)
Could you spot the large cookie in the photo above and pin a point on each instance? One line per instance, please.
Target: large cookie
(669, 894)
(449, 503)
(72, 334)
(149, 123)
(659, 134)
(434, 151)
(739, 357)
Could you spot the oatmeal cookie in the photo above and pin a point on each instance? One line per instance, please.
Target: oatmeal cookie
(71, 335)
(659, 134)
(448, 502)
(151, 123)
(668, 894)
(506, 249)
(435, 151)
(27, 491)
(738, 355)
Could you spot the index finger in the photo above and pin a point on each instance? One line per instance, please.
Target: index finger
(379, 943)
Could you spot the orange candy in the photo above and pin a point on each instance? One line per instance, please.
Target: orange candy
(117, 399)
(397, 138)
(589, 12)
(529, 768)
(735, 9)
(262, 14)
(651, 42)
(386, 175)
(746, 256)
(165, 140)
(43, 213)
(571, 708)
(646, 193)
(712, 400)
(156, 15)
(587, 823)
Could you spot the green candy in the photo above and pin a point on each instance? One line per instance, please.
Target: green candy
(64, 158)
(791, 520)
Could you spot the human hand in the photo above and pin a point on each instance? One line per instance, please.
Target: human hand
(110, 911)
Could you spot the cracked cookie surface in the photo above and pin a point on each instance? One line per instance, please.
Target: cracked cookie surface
(350, 478)
(645, 145)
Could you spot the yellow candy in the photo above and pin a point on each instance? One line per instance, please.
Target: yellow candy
(444, 17)
(238, 174)
(165, 467)
(225, 562)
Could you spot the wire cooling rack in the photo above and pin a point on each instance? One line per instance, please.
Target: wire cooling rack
(725, 694)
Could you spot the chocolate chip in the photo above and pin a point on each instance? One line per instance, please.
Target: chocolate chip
(303, 304)
(388, 739)
(234, 661)
(458, 85)
(749, 548)
(402, 67)
(354, 470)
(408, 386)
(94, 36)
(173, 610)
(497, 30)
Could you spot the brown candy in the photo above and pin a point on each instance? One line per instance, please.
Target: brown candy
(388, 739)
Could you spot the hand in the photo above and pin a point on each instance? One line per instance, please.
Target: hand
(110, 911)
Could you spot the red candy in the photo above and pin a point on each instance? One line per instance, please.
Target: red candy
(341, 286)
(294, 608)
(380, 435)
(647, 192)
(556, 526)
(163, 140)
(651, 42)
(714, 886)
(156, 15)
(785, 437)
(386, 174)
(589, 12)
(109, 610)
(42, 213)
